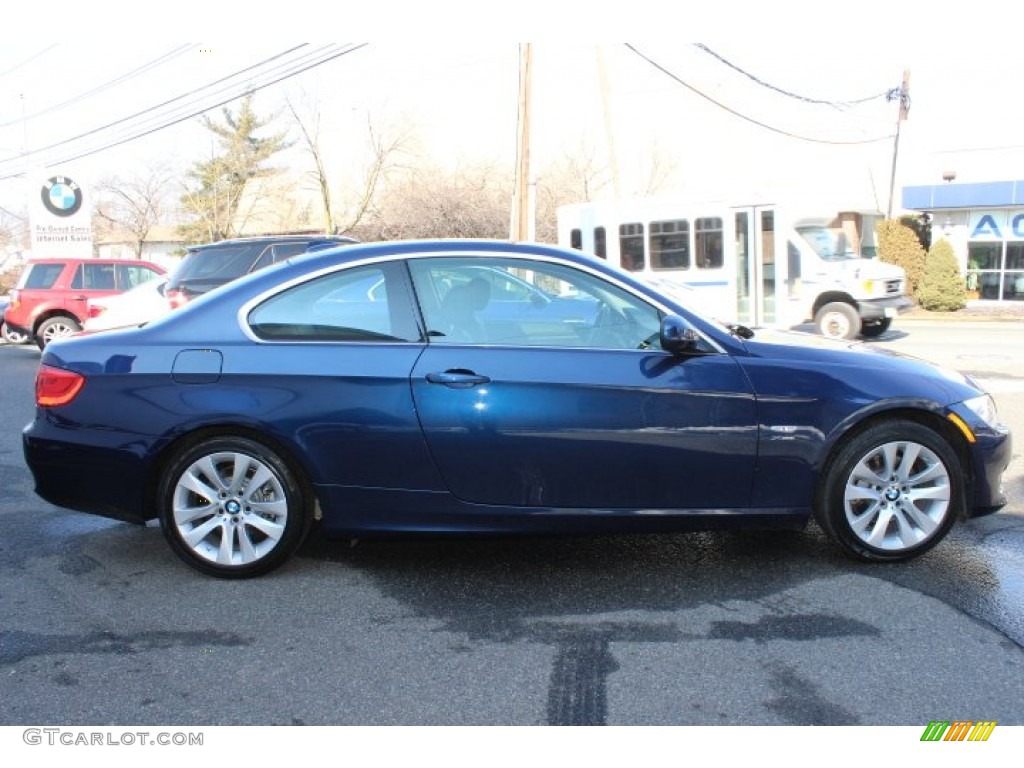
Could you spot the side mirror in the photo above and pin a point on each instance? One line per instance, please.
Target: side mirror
(677, 336)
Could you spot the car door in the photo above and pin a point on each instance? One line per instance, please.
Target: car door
(578, 410)
(90, 281)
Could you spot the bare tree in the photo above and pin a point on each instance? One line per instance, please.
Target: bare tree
(136, 204)
(385, 145)
(435, 203)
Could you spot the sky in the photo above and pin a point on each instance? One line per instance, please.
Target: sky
(778, 105)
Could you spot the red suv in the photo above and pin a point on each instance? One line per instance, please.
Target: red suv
(49, 301)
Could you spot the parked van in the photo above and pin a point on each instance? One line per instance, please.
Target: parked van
(758, 264)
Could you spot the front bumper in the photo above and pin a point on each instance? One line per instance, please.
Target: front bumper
(880, 309)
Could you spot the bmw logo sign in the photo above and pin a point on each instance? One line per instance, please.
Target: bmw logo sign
(61, 196)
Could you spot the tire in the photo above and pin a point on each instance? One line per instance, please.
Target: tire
(57, 327)
(12, 337)
(838, 320)
(875, 329)
(891, 492)
(223, 525)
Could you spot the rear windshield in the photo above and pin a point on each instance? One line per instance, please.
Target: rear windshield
(224, 263)
(41, 276)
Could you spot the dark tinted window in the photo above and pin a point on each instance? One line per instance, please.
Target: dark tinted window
(220, 263)
(280, 252)
(368, 303)
(43, 275)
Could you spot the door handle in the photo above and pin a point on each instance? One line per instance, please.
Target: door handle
(457, 378)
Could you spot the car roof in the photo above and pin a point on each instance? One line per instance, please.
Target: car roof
(270, 239)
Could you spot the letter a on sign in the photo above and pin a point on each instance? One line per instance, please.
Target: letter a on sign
(986, 226)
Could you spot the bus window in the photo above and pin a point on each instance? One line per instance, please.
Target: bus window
(600, 243)
(631, 246)
(576, 240)
(708, 236)
(670, 244)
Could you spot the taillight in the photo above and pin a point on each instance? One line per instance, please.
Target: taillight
(55, 386)
(177, 298)
(95, 310)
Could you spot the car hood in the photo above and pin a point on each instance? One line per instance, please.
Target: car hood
(810, 350)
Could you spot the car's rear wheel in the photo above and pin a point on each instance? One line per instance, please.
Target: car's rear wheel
(876, 328)
(57, 327)
(891, 492)
(231, 507)
(11, 336)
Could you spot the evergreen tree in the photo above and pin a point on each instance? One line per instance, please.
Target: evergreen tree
(942, 286)
(215, 186)
(898, 244)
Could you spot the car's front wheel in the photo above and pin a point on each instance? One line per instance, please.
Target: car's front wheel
(838, 320)
(231, 507)
(891, 492)
(57, 327)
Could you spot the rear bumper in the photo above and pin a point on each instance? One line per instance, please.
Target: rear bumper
(98, 479)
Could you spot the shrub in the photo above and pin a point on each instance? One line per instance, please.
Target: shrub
(942, 287)
(898, 244)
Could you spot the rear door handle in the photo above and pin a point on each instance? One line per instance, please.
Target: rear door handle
(457, 378)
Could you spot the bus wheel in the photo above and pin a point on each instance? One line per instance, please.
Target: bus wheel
(838, 320)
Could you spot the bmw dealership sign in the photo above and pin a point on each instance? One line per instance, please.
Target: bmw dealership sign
(61, 226)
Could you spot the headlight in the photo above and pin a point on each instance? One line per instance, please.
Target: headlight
(869, 287)
(984, 407)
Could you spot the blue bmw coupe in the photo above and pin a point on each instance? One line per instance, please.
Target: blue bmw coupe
(488, 387)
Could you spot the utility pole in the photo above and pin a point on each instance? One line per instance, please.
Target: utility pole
(613, 161)
(903, 95)
(522, 214)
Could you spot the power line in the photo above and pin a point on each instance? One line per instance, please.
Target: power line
(807, 99)
(749, 119)
(29, 60)
(166, 121)
(100, 88)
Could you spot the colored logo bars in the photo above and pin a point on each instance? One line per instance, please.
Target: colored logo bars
(958, 730)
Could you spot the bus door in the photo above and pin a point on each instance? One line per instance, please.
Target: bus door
(758, 272)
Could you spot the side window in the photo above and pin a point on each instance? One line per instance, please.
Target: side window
(130, 275)
(708, 236)
(519, 302)
(368, 303)
(280, 252)
(670, 244)
(600, 243)
(94, 277)
(631, 246)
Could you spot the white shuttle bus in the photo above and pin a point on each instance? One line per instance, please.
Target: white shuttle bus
(752, 263)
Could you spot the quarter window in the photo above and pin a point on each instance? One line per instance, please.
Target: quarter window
(43, 276)
(369, 304)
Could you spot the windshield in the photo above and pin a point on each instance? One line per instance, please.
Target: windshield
(829, 244)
